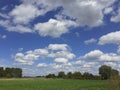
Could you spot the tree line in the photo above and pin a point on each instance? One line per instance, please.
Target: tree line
(10, 72)
(105, 72)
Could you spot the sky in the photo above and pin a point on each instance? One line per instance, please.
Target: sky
(48, 36)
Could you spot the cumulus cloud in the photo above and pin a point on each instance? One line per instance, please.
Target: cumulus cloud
(61, 60)
(110, 57)
(23, 14)
(85, 66)
(110, 38)
(92, 40)
(41, 52)
(25, 59)
(112, 64)
(29, 57)
(93, 54)
(90, 11)
(4, 16)
(116, 18)
(84, 13)
(19, 28)
(100, 56)
(15, 28)
(42, 65)
(62, 55)
(108, 10)
(54, 47)
(54, 28)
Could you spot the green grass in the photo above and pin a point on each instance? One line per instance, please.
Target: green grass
(51, 84)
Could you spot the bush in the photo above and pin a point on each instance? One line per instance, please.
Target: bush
(114, 83)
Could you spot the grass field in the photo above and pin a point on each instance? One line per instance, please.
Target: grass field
(51, 84)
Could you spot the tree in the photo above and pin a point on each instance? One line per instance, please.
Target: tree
(8, 72)
(51, 76)
(114, 72)
(61, 74)
(13, 72)
(87, 75)
(105, 72)
(1, 72)
(69, 75)
(16, 72)
(77, 75)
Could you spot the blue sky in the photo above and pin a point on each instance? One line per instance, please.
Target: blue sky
(47, 36)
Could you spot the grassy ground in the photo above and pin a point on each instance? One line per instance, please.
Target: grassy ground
(50, 84)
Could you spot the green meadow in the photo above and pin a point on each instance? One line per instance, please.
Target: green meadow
(52, 84)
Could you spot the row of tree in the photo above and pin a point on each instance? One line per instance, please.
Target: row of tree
(10, 72)
(75, 75)
(105, 72)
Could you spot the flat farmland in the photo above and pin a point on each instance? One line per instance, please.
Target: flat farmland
(51, 84)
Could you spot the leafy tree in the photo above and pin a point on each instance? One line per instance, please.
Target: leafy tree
(51, 76)
(8, 72)
(69, 75)
(8, 75)
(61, 74)
(77, 75)
(105, 71)
(114, 72)
(16, 72)
(1, 72)
(87, 75)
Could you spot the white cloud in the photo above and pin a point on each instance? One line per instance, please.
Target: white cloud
(100, 56)
(89, 64)
(23, 13)
(112, 64)
(108, 10)
(29, 57)
(116, 18)
(61, 55)
(93, 54)
(41, 52)
(109, 57)
(87, 12)
(60, 51)
(4, 16)
(79, 62)
(54, 27)
(85, 66)
(63, 47)
(20, 29)
(16, 28)
(25, 59)
(61, 60)
(84, 12)
(42, 65)
(4, 23)
(92, 40)
(110, 38)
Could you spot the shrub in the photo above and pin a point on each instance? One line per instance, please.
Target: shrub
(114, 83)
